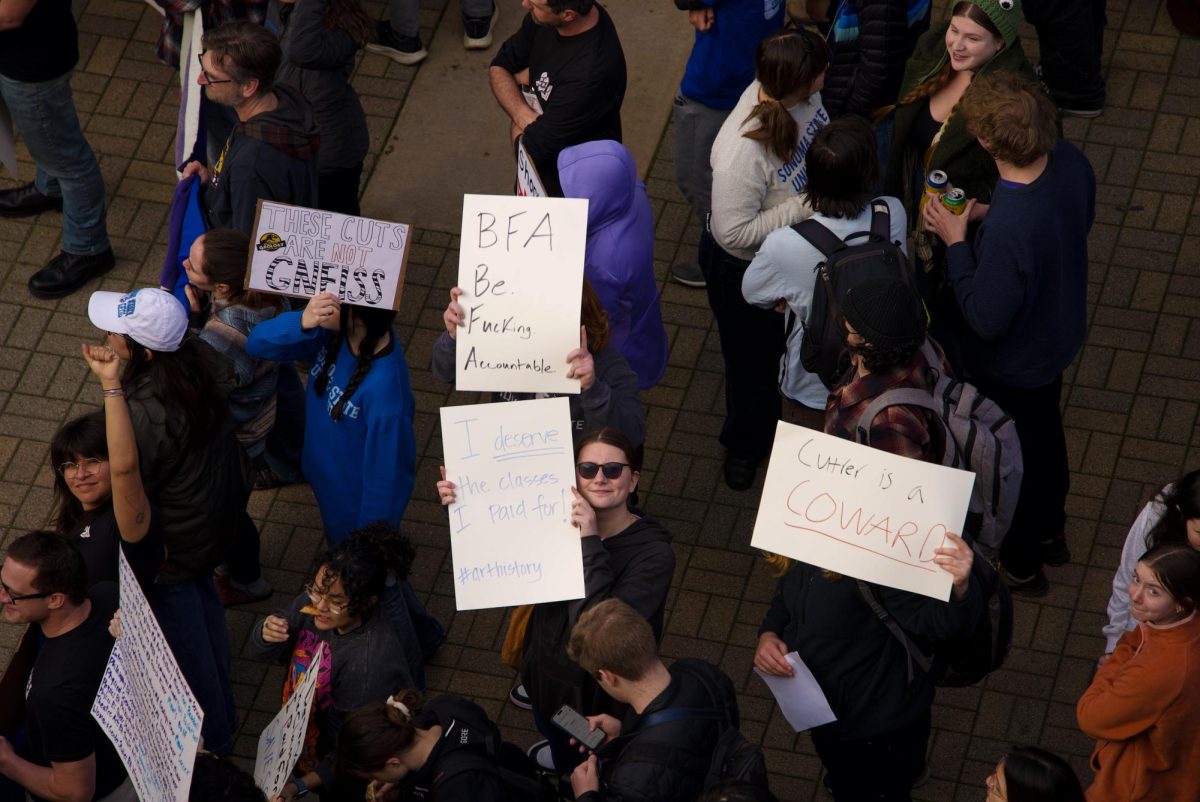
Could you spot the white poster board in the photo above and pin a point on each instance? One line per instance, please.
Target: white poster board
(860, 511)
(529, 183)
(301, 252)
(282, 741)
(511, 536)
(145, 706)
(521, 272)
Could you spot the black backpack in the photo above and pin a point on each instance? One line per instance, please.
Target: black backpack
(845, 266)
(964, 661)
(521, 778)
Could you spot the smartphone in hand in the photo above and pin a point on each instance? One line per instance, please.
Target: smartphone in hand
(572, 723)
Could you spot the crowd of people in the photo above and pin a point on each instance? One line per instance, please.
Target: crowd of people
(886, 202)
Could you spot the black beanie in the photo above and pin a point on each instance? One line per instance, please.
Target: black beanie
(885, 312)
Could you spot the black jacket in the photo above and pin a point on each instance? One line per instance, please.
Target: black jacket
(868, 60)
(636, 567)
(272, 156)
(449, 775)
(859, 664)
(668, 762)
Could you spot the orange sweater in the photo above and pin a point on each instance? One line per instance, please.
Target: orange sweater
(1142, 709)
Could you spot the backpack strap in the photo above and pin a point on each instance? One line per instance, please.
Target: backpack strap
(881, 220)
(819, 236)
(679, 714)
(914, 654)
(904, 396)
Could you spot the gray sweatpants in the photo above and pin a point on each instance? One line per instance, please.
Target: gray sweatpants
(696, 126)
(404, 14)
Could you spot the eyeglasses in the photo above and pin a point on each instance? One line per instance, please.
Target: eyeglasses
(612, 470)
(70, 470)
(208, 79)
(14, 598)
(317, 597)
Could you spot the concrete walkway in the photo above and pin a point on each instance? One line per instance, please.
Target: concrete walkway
(1131, 402)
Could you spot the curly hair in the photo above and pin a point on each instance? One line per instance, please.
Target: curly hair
(885, 359)
(363, 561)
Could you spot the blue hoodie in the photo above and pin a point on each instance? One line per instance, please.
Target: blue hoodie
(722, 60)
(619, 261)
(361, 468)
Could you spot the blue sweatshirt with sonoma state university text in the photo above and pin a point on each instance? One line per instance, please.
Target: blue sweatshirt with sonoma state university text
(362, 467)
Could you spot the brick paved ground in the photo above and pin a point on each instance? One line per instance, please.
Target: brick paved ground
(1130, 401)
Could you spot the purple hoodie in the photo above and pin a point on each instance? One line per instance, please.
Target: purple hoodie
(619, 261)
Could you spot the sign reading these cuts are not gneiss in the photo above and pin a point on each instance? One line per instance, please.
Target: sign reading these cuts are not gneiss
(521, 273)
(302, 252)
(860, 511)
(511, 537)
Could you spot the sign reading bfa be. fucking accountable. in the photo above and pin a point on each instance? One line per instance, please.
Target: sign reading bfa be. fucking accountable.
(303, 252)
(520, 270)
(511, 537)
(860, 511)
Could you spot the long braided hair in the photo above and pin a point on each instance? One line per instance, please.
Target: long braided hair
(378, 324)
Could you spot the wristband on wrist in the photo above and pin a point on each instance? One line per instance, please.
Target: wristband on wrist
(116, 392)
(301, 787)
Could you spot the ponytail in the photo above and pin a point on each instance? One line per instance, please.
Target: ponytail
(786, 63)
(776, 129)
(375, 733)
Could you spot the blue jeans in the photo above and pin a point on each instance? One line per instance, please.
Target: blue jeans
(404, 14)
(193, 622)
(44, 114)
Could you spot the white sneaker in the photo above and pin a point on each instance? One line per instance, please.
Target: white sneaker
(540, 753)
(520, 698)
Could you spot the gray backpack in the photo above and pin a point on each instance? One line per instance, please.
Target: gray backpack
(976, 436)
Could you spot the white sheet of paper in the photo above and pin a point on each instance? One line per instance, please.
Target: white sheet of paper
(511, 536)
(145, 706)
(800, 697)
(860, 511)
(282, 741)
(302, 252)
(521, 272)
(8, 141)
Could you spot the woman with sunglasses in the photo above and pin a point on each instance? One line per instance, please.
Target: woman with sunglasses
(364, 658)
(625, 556)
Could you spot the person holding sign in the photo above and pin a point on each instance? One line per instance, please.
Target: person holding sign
(359, 449)
(43, 582)
(444, 748)
(882, 700)
(176, 388)
(366, 659)
(609, 396)
(624, 556)
(1143, 702)
(757, 186)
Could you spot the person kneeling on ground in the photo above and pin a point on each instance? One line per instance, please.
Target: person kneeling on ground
(644, 759)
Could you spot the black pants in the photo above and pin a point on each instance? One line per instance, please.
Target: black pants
(752, 341)
(242, 555)
(880, 769)
(1071, 40)
(1041, 509)
(337, 190)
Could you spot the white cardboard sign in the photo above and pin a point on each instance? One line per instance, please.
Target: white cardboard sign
(529, 183)
(301, 252)
(860, 511)
(145, 706)
(280, 744)
(511, 536)
(521, 272)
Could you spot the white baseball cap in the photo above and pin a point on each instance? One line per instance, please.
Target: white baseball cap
(152, 317)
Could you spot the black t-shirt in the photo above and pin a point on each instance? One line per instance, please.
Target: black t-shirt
(579, 82)
(60, 692)
(99, 539)
(924, 130)
(43, 47)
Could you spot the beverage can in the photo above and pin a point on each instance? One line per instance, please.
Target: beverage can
(936, 182)
(955, 201)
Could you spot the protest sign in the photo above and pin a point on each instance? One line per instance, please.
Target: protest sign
(521, 273)
(280, 744)
(303, 252)
(529, 183)
(860, 511)
(145, 706)
(511, 536)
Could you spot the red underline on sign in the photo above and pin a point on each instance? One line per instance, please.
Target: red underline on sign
(857, 546)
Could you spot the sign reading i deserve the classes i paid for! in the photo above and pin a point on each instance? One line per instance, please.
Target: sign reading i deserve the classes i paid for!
(511, 536)
(520, 270)
(301, 252)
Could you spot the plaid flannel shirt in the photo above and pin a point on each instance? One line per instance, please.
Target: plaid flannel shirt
(214, 11)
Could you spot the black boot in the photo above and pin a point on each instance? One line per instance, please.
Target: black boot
(68, 272)
(26, 200)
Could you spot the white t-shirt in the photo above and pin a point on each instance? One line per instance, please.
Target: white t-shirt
(785, 267)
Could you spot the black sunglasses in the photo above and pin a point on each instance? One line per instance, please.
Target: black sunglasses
(14, 598)
(612, 470)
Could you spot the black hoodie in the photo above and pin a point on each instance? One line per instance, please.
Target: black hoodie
(272, 156)
(634, 566)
